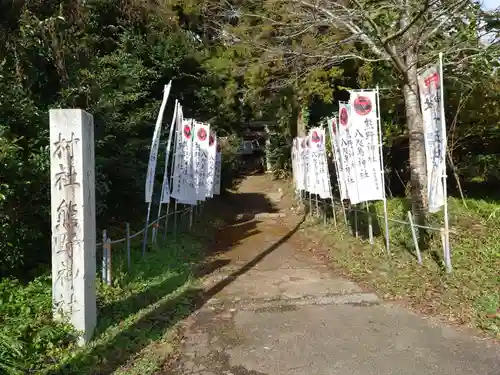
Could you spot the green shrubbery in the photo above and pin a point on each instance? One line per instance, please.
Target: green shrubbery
(161, 283)
(29, 338)
(470, 295)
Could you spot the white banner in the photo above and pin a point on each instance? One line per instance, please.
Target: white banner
(319, 169)
(165, 189)
(429, 83)
(365, 143)
(295, 168)
(313, 178)
(310, 172)
(334, 139)
(212, 152)
(183, 177)
(200, 159)
(300, 164)
(153, 153)
(346, 149)
(304, 157)
(217, 173)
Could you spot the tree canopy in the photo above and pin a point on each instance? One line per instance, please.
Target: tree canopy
(283, 61)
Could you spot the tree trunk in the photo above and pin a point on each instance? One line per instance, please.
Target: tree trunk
(295, 130)
(418, 170)
(301, 126)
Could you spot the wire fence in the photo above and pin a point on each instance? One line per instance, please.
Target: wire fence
(365, 222)
(105, 258)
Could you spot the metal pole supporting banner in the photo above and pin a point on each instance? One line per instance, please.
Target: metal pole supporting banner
(165, 191)
(173, 163)
(166, 222)
(150, 178)
(343, 211)
(386, 218)
(331, 195)
(443, 153)
(370, 226)
(104, 264)
(337, 175)
(341, 200)
(175, 219)
(356, 220)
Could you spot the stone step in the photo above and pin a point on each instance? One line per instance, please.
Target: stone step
(287, 304)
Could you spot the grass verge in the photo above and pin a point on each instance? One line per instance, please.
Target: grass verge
(137, 316)
(469, 296)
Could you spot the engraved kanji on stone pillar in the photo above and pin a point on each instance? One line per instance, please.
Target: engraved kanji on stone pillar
(72, 170)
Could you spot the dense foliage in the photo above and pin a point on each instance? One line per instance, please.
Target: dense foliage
(112, 59)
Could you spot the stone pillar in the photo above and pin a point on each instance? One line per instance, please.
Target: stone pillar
(72, 174)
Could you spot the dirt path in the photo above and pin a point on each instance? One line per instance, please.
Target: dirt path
(272, 309)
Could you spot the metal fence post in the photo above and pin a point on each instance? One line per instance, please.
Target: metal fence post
(107, 245)
(156, 228)
(415, 238)
(333, 213)
(356, 221)
(153, 234)
(324, 213)
(104, 263)
(127, 228)
(370, 226)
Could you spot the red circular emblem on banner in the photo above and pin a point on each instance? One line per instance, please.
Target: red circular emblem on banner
(434, 78)
(211, 140)
(362, 105)
(202, 134)
(315, 137)
(344, 116)
(187, 131)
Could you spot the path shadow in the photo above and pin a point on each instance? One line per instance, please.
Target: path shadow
(222, 363)
(248, 266)
(233, 234)
(122, 309)
(168, 304)
(151, 327)
(118, 350)
(247, 203)
(238, 211)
